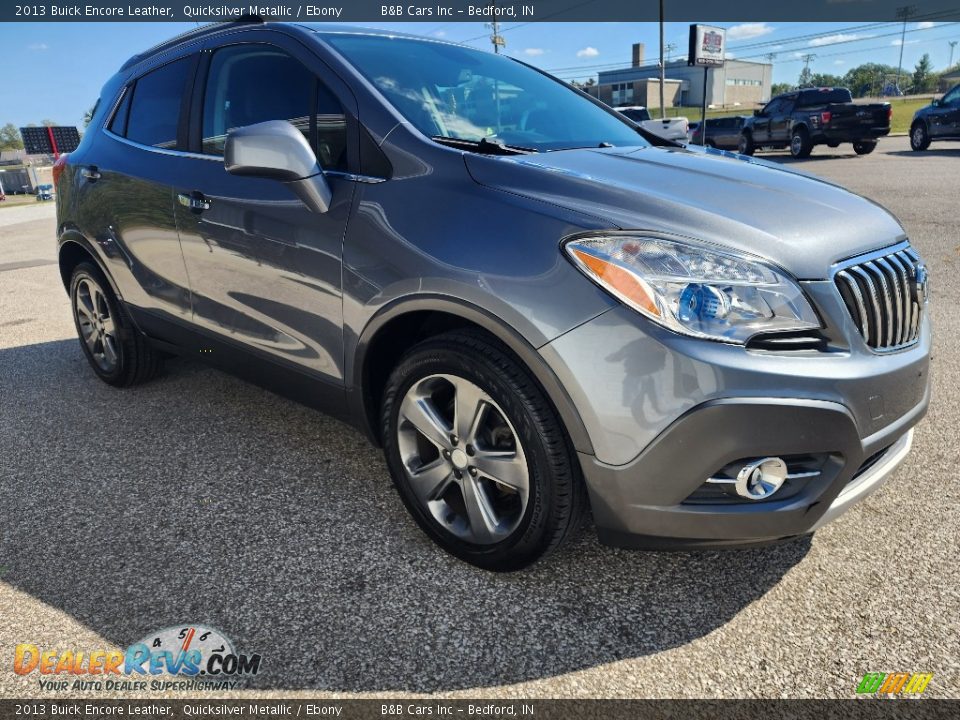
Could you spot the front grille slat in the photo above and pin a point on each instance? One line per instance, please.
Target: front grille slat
(881, 296)
(897, 313)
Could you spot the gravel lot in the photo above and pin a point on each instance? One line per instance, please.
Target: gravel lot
(199, 498)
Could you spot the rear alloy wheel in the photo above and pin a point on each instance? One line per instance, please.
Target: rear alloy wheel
(477, 453)
(118, 354)
(864, 147)
(800, 145)
(919, 137)
(745, 144)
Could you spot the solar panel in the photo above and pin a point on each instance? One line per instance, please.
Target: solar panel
(36, 140)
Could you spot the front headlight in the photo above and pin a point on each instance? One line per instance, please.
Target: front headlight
(694, 290)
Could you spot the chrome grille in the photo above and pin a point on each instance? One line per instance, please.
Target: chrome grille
(885, 297)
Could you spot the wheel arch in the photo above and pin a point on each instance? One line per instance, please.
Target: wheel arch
(407, 321)
(75, 248)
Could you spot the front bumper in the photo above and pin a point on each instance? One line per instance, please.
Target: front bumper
(644, 503)
(665, 413)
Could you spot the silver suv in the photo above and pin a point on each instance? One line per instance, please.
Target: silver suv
(532, 305)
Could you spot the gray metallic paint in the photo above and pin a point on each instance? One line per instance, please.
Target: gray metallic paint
(478, 237)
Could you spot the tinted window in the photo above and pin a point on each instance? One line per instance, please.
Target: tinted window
(249, 84)
(456, 92)
(155, 107)
(809, 98)
(952, 98)
(118, 124)
(637, 115)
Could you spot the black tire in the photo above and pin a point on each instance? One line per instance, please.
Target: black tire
(710, 144)
(864, 147)
(557, 497)
(800, 143)
(745, 145)
(919, 137)
(135, 361)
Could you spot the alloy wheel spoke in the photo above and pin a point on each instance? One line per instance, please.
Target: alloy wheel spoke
(85, 300)
(421, 413)
(507, 468)
(108, 327)
(469, 407)
(483, 519)
(91, 340)
(109, 349)
(430, 481)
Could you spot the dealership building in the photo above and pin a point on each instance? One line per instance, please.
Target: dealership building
(737, 83)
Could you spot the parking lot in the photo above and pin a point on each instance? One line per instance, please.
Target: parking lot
(201, 499)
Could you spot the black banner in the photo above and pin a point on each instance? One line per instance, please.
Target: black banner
(359, 11)
(865, 709)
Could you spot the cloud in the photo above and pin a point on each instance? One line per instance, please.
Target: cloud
(534, 52)
(588, 52)
(897, 42)
(837, 38)
(840, 62)
(748, 30)
(925, 25)
(38, 46)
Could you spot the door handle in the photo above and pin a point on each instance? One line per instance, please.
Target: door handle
(195, 201)
(90, 173)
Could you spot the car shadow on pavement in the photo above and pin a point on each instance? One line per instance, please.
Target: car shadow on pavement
(201, 499)
(946, 151)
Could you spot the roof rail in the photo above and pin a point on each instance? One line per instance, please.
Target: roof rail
(199, 32)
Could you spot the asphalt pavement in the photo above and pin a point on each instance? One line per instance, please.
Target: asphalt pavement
(201, 499)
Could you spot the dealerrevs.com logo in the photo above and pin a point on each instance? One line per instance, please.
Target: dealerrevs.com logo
(199, 657)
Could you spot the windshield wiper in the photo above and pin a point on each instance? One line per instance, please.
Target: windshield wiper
(487, 146)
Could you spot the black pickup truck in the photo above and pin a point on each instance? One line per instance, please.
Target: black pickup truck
(815, 116)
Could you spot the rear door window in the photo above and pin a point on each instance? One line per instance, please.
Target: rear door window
(154, 108)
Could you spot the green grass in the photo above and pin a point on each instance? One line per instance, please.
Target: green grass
(903, 110)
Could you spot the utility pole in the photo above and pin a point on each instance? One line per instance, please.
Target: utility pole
(670, 48)
(903, 12)
(663, 67)
(952, 44)
(496, 38)
(806, 62)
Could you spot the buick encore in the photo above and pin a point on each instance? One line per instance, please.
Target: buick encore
(534, 307)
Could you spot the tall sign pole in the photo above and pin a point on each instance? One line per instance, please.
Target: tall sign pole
(663, 69)
(903, 12)
(708, 46)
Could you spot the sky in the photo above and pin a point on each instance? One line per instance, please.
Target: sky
(60, 67)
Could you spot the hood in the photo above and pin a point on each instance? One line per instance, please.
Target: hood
(794, 220)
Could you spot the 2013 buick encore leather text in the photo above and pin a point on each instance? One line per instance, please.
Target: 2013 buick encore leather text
(532, 305)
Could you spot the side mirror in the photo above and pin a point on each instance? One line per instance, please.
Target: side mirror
(935, 102)
(278, 151)
(758, 113)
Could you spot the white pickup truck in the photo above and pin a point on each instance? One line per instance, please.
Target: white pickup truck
(669, 128)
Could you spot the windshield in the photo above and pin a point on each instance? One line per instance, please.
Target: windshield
(637, 115)
(450, 91)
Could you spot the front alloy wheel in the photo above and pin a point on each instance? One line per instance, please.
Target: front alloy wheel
(919, 138)
(478, 453)
(463, 459)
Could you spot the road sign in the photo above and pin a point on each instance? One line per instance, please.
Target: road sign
(707, 46)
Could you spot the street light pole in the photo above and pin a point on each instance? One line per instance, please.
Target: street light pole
(952, 44)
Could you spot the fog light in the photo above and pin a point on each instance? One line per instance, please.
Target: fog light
(760, 479)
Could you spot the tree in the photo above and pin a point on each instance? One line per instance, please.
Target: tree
(48, 123)
(923, 77)
(826, 80)
(867, 79)
(10, 138)
(806, 77)
(780, 88)
(88, 115)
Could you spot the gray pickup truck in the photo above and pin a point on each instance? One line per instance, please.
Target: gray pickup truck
(801, 119)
